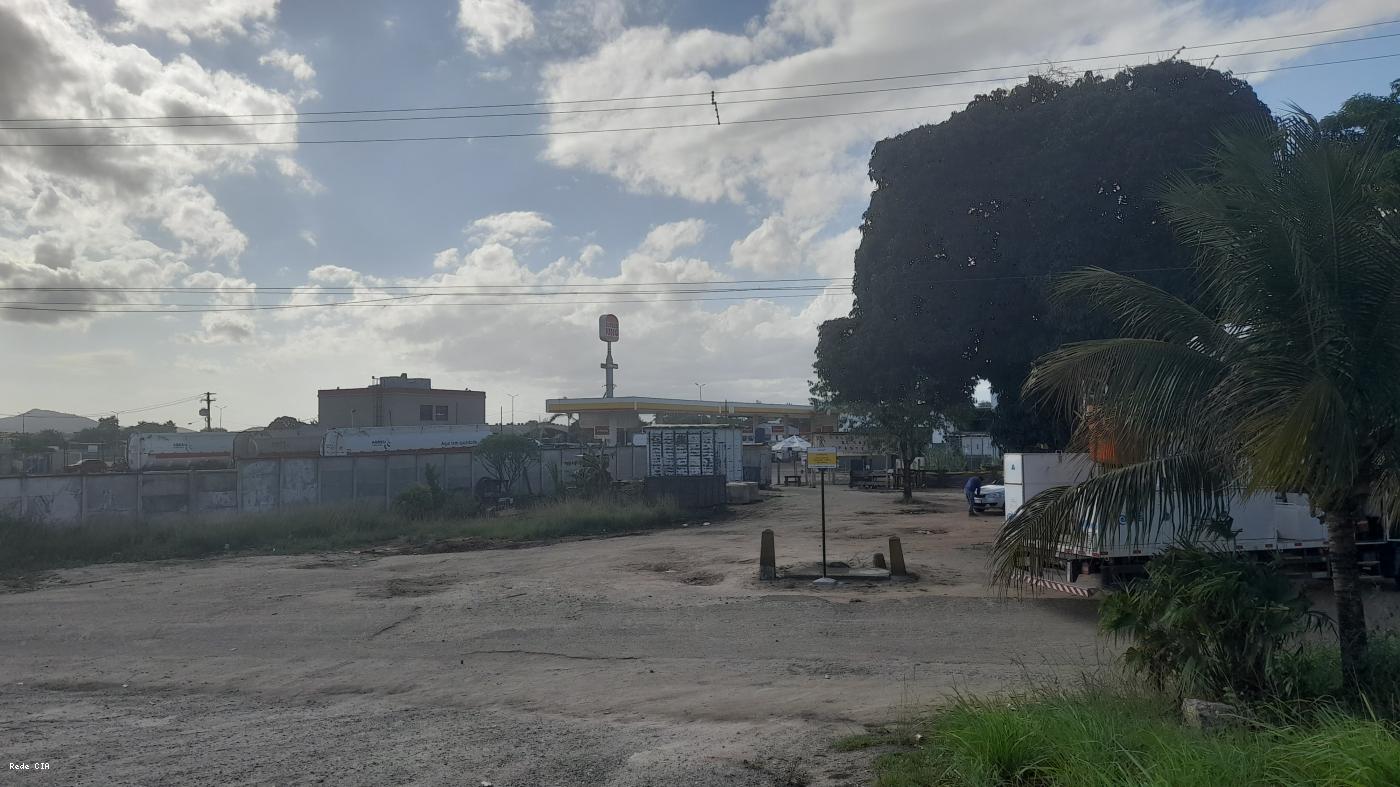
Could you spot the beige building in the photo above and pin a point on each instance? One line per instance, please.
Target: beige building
(400, 401)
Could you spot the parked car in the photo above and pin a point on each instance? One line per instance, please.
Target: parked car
(990, 496)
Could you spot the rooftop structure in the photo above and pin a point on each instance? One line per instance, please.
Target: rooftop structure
(399, 401)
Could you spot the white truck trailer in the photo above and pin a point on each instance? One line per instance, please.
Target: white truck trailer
(1279, 525)
(179, 451)
(350, 441)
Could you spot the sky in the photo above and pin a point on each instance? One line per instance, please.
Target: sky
(598, 210)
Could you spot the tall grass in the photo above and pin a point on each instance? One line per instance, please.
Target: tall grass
(26, 546)
(1093, 738)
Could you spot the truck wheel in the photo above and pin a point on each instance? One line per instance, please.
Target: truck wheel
(1073, 568)
(1108, 577)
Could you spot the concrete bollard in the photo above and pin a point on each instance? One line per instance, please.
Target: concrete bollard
(896, 558)
(880, 560)
(767, 557)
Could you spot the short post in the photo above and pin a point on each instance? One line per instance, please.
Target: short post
(767, 557)
(896, 558)
(880, 560)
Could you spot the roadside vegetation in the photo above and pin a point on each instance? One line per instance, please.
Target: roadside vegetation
(1091, 737)
(1203, 625)
(27, 547)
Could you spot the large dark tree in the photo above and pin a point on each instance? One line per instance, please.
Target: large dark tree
(970, 215)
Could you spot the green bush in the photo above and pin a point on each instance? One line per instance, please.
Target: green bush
(423, 500)
(1096, 738)
(1210, 623)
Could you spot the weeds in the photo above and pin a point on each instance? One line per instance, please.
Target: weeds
(1090, 737)
(26, 546)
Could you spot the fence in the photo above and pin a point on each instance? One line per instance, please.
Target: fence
(268, 484)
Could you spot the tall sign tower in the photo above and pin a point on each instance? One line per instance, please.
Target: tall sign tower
(607, 331)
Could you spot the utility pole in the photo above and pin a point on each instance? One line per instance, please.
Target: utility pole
(512, 407)
(701, 386)
(208, 411)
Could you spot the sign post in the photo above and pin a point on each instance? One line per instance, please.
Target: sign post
(608, 332)
(822, 460)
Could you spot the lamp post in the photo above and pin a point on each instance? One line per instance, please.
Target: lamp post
(512, 407)
(701, 386)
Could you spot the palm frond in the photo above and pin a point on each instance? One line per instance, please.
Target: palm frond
(1140, 309)
(1143, 390)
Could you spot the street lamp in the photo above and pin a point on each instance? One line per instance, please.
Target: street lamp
(512, 407)
(701, 386)
(221, 408)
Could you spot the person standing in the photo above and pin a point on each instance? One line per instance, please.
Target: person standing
(970, 491)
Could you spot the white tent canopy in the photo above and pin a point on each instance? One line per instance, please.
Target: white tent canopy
(794, 443)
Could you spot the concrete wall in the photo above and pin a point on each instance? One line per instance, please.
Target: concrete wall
(271, 484)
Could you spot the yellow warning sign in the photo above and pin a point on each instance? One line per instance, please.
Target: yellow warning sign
(821, 458)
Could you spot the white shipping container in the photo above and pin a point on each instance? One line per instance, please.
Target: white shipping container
(1046, 470)
(351, 441)
(179, 450)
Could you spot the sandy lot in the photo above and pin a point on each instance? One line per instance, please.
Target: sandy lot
(656, 659)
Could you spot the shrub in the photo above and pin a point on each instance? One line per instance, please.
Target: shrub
(1209, 622)
(423, 500)
(592, 477)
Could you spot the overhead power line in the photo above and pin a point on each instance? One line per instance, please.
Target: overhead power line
(420, 299)
(572, 132)
(706, 93)
(230, 122)
(307, 288)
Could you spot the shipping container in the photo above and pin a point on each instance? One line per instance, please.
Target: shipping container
(180, 451)
(352, 441)
(299, 443)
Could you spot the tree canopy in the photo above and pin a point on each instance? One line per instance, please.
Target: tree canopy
(969, 215)
(1282, 373)
(1374, 120)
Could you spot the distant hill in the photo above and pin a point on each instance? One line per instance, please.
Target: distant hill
(39, 420)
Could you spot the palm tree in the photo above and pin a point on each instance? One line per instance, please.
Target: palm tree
(1282, 373)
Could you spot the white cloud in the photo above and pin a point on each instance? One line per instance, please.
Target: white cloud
(114, 216)
(182, 20)
(293, 63)
(498, 74)
(665, 239)
(309, 238)
(519, 226)
(295, 172)
(540, 347)
(489, 26)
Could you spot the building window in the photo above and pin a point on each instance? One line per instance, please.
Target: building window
(425, 412)
(440, 413)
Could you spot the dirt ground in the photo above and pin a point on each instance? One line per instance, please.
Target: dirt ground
(654, 659)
